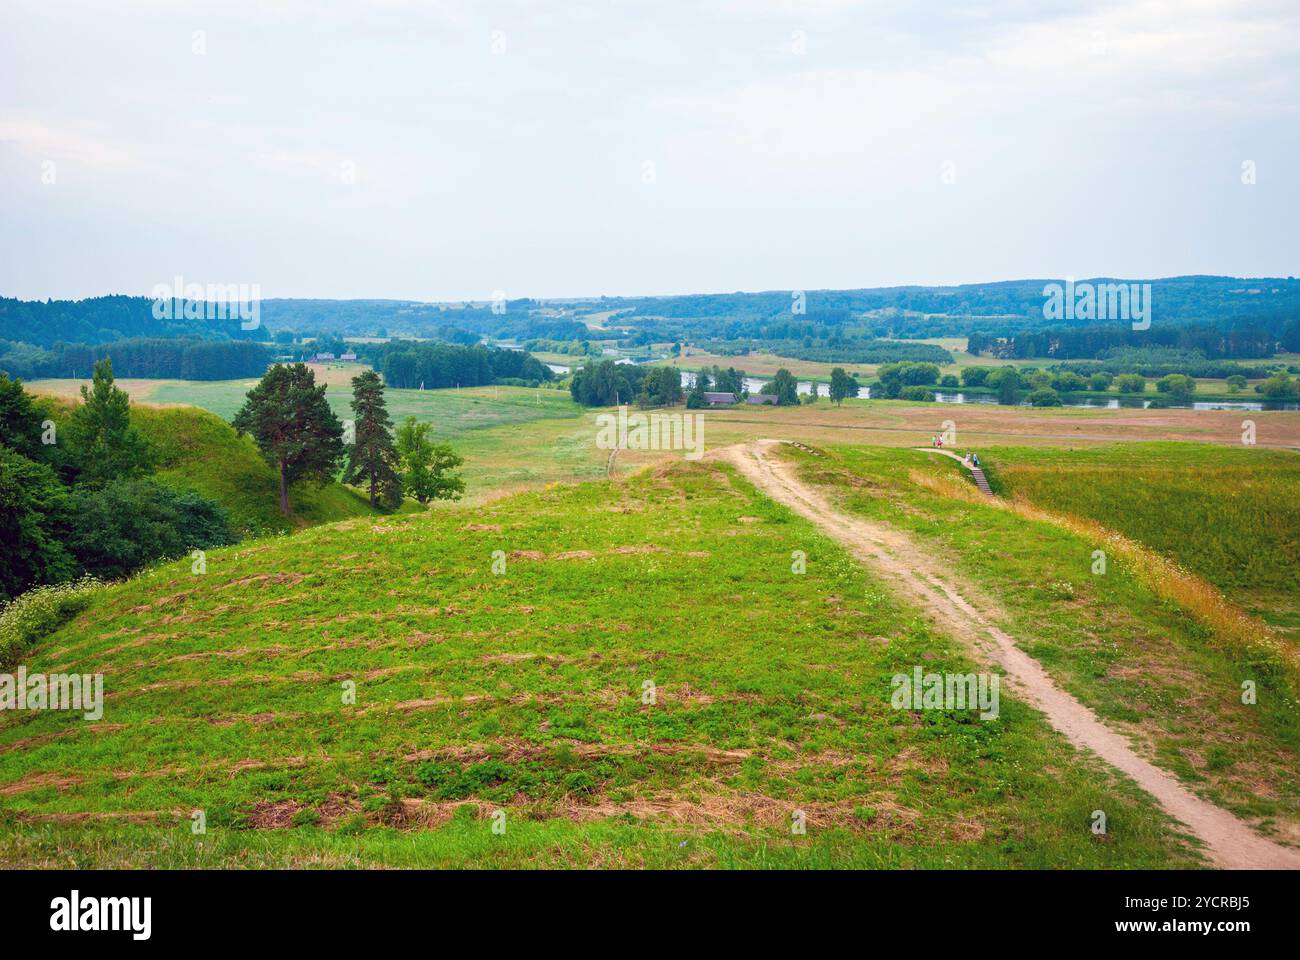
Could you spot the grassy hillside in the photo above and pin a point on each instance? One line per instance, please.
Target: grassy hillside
(646, 683)
(1118, 641)
(201, 452)
(1228, 515)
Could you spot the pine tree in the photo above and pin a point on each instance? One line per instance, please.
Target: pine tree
(294, 427)
(372, 457)
(104, 445)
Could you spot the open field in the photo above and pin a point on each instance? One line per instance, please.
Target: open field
(514, 438)
(1168, 680)
(1228, 515)
(684, 726)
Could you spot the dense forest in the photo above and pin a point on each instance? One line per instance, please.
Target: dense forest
(154, 357)
(429, 366)
(607, 383)
(1246, 343)
(103, 320)
(837, 349)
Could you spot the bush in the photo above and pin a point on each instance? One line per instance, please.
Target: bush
(29, 618)
(949, 382)
(33, 521)
(1131, 383)
(1100, 382)
(974, 376)
(1067, 381)
(1279, 387)
(915, 393)
(131, 523)
(1044, 397)
(1176, 385)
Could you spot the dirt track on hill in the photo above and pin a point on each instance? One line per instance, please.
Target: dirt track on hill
(959, 609)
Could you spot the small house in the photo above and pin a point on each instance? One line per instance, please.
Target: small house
(347, 358)
(719, 399)
(761, 398)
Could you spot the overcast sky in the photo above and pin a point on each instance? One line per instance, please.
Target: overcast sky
(432, 150)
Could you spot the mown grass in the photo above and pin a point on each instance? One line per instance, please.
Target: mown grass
(523, 691)
(1144, 663)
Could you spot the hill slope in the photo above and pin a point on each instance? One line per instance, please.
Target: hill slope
(200, 451)
(646, 681)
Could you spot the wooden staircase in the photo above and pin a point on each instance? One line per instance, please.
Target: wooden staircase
(981, 481)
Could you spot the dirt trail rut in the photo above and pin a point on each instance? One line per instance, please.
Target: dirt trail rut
(922, 580)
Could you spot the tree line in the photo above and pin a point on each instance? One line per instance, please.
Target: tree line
(178, 358)
(1246, 343)
(410, 365)
(79, 495)
(79, 498)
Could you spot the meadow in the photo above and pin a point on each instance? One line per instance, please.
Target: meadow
(643, 681)
(1167, 678)
(1228, 515)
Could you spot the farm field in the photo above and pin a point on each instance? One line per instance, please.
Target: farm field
(686, 726)
(766, 364)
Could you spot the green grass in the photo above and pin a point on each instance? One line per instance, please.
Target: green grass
(511, 437)
(1146, 666)
(201, 452)
(452, 412)
(523, 691)
(1231, 516)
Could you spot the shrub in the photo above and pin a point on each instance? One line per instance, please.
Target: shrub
(130, 523)
(1067, 381)
(1045, 397)
(1100, 382)
(1279, 387)
(29, 618)
(1176, 385)
(949, 382)
(1130, 383)
(33, 522)
(915, 393)
(974, 376)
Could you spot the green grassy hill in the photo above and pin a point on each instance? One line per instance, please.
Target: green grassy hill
(201, 452)
(645, 682)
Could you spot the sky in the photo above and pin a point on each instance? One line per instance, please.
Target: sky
(453, 150)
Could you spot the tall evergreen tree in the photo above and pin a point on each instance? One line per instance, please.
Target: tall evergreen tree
(294, 427)
(372, 457)
(104, 446)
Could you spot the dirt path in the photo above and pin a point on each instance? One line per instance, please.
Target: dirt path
(924, 581)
